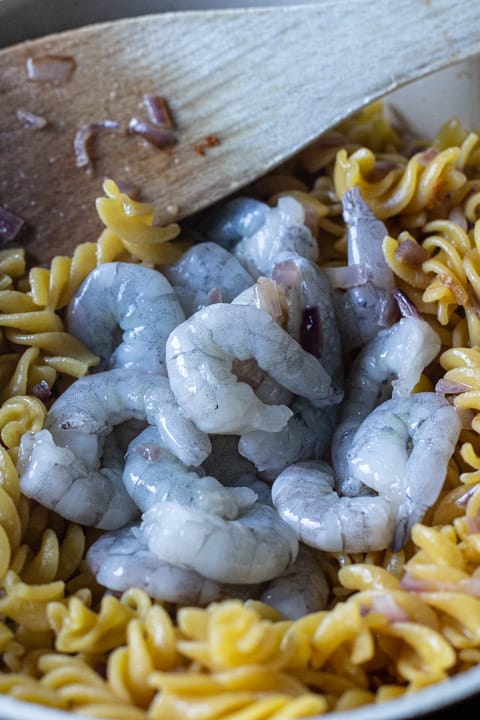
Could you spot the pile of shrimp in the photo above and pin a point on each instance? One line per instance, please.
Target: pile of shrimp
(222, 444)
(263, 409)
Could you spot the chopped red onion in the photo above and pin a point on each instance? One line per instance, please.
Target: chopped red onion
(42, 390)
(469, 586)
(346, 276)
(405, 305)
(409, 582)
(311, 336)
(427, 156)
(150, 452)
(214, 296)
(386, 605)
(129, 188)
(84, 136)
(160, 137)
(411, 253)
(30, 121)
(158, 110)
(50, 68)
(450, 387)
(473, 524)
(285, 273)
(463, 500)
(10, 226)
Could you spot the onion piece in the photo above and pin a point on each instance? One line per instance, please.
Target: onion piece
(311, 335)
(285, 273)
(346, 276)
(160, 137)
(41, 390)
(468, 586)
(214, 296)
(50, 68)
(84, 136)
(30, 121)
(451, 387)
(463, 500)
(386, 605)
(129, 188)
(10, 226)
(427, 156)
(150, 452)
(158, 110)
(405, 305)
(411, 253)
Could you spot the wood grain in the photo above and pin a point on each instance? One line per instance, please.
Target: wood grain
(265, 81)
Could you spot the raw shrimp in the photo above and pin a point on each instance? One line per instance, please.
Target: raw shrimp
(61, 466)
(200, 353)
(389, 364)
(204, 268)
(121, 559)
(82, 492)
(234, 220)
(136, 298)
(306, 436)
(309, 301)
(284, 229)
(255, 547)
(301, 589)
(401, 451)
(362, 310)
(305, 498)
(309, 430)
(265, 295)
(226, 462)
(152, 474)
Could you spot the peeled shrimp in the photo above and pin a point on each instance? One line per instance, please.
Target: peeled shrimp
(364, 309)
(233, 220)
(284, 229)
(305, 498)
(152, 474)
(121, 560)
(306, 436)
(301, 589)
(265, 295)
(401, 451)
(200, 353)
(62, 466)
(255, 547)
(203, 269)
(391, 363)
(137, 299)
(312, 317)
(82, 492)
(312, 322)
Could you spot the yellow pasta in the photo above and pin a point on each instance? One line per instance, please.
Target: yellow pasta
(396, 621)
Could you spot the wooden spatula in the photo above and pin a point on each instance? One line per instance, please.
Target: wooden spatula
(246, 89)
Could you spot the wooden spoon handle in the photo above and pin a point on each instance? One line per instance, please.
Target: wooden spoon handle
(264, 81)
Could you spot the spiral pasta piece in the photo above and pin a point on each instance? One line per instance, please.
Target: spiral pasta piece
(424, 180)
(132, 222)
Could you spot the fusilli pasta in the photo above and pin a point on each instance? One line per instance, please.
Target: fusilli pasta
(396, 621)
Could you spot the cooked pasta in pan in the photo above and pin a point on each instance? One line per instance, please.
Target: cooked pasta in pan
(259, 499)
